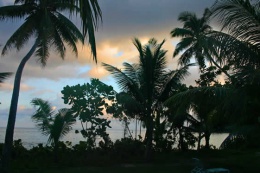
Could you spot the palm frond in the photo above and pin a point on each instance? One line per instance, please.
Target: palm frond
(90, 14)
(67, 120)
(15, 11)
(21, 36)
(138, 46)
(43, 115)
(69, 33)
(43, 49)
(62, 125)
(122, 79)
(232, 50)
(198, 94)
(50, 124)
(58, 43)
(4, 76)
(181, 32)
(171, 81)
(185, 43)
(241, 18)
(186, 56)
(132, 71)
(186, 16)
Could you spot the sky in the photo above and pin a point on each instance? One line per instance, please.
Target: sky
(123, 20)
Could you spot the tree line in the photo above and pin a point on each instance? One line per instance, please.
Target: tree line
(149, 91)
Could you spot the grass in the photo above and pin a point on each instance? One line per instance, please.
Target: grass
(118, 169)
(175, 162)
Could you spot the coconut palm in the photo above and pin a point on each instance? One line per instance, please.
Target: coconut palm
(44, 20)
(197, 41)
(206, 104)
(241, 20)
(147, 84)
(54, 125)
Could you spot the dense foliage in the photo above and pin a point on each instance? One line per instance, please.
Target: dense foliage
(175, 117)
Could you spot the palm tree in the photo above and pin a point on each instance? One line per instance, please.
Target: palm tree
(50, 124)
(207, 105)
(241, 20)
(44, 20)
(147, 84)
(197, 41)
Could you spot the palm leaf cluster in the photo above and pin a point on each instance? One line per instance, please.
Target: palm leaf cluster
(233, 49)
(146, 84)
(240, 19)
(54, 125)
(45, 21)
(3, 76)
(148, 81)
(198, 40)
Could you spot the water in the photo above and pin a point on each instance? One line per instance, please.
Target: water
(32, 137)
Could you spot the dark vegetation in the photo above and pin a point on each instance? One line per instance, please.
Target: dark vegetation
(126, 155)
(175, 117)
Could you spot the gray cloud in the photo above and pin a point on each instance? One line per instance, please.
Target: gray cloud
(122, 21)
(129, 18)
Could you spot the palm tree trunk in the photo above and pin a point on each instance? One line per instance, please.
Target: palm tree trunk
(199, 140)
(149, 138)
(7, 149)
(216, 64)
(56, 152)
(207, 138)
(181, 140)
(140, 130)
(135, 127)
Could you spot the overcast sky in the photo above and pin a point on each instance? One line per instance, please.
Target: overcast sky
(123, 20)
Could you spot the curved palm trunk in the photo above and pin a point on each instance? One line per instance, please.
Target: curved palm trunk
(6, 154)
(216, 64)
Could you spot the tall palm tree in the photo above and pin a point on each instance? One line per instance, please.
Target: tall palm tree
(197, 41)
(44, 20)
(147, 84)
(241, 20)
(50, 124)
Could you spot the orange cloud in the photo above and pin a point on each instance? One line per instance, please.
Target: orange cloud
(97, 72)
(9, 87)
(21, 107)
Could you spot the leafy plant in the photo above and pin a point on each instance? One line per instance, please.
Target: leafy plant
(88, 102)
(54, 125)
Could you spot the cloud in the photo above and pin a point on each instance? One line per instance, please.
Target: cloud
(123, 20)
(194, 75)
(23, 117)
(9, 87)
